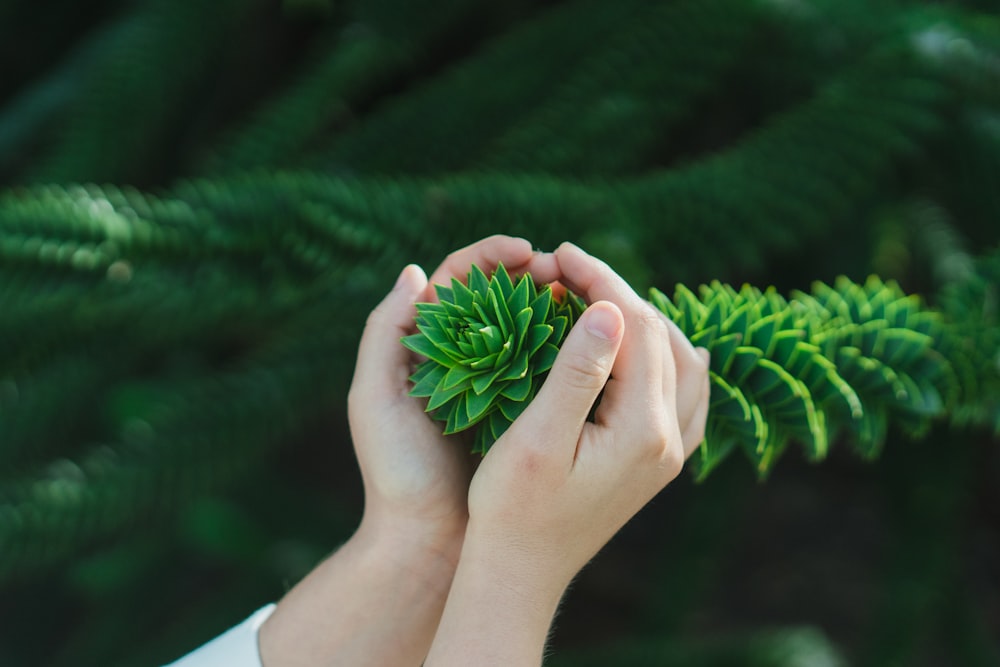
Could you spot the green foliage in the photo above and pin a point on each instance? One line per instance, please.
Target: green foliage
(848, 360)
(202, 201)
(973, 346)
(489, 344)
(845, 360)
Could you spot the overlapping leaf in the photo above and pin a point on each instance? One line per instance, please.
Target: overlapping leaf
(844, 360)
(489, 344)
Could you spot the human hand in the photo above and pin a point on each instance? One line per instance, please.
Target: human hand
(416, 481)
(378, 599)
(555, 487)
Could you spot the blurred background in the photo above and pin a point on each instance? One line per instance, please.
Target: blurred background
(202, 201)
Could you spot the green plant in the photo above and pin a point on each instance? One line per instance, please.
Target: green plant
(202, 201)
(847, 359)
(489, 346)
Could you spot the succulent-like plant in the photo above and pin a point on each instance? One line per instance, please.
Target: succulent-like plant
(489, 345)
(843, 360)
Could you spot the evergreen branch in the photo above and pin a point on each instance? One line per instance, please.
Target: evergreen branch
(150, 65)
(844, 360)
(615, 106)
(433, 130)
(276, 134)
(171, 440)
(800, 173)
(848, 359)
(972, 309)
(54, 406)
(352, 64)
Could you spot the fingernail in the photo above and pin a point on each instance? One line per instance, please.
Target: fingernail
(603, 322)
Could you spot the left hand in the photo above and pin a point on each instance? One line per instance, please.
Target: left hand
(378, 599)
(417, 481)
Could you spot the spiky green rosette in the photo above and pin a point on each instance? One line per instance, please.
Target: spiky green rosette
(846, 359)
(489, 346)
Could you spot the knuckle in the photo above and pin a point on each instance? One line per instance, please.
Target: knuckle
(698, 437)
(672, 462)
(651, 319)
(530, 462)
(655, 437)
(664, 445)
(580, 371)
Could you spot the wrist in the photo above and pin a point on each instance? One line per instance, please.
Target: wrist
(428, 549)
(375, 601)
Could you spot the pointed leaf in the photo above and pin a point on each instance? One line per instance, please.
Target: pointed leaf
(492, 337)
(545, 358)
(540, 306)
(518, 301)
(421, 345)
(480, 404)
(518, 367)
(521, 321)
(485, 363)
(444, 294)
(559, 326)
(430, 375)
(484, 381)
(513, 409)
(503, 316)
(456, 375)
(478, 345)
(502, 280)
(462, 295)
(478, 282)
(443, 396)
(518, 390)
(506, 352)
(537, 335)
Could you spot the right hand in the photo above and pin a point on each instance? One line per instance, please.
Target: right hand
(555, 487)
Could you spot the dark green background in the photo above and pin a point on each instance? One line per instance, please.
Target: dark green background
(203, 200)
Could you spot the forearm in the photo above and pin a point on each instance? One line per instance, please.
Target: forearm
(376, 601)
(495, 615)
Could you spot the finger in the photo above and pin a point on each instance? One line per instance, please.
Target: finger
(645, 363)
(691, 366)
(694, 433)
(543, 267)
(592, 278)
(383, 365)
(557, 414)
(514, 253)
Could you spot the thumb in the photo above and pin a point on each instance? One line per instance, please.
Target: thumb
(383, 364)
(579, 374)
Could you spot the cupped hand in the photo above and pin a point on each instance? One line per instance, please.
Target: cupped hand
(416, 481)
(556, 487)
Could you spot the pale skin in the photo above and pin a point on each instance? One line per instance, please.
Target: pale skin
(443, 571)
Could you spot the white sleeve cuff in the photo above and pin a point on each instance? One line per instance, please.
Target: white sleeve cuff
(237, 647)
